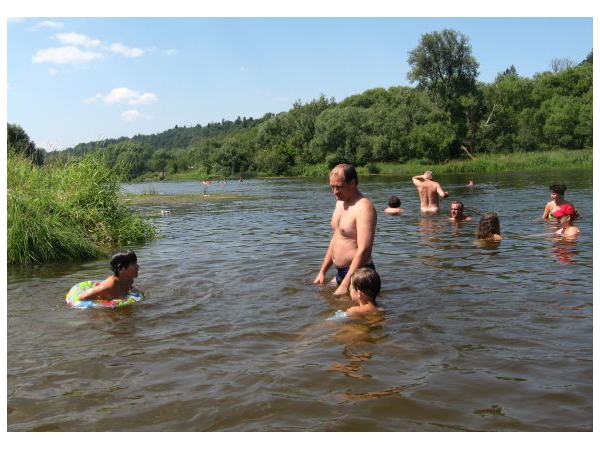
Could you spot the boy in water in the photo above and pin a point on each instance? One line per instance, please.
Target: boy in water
(393, 206)
(365, 286)
(565, 216)
(125, 268)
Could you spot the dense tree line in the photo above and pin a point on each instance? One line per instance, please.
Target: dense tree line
(448, 114)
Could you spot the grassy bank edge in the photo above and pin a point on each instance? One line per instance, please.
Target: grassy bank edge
(490, 163)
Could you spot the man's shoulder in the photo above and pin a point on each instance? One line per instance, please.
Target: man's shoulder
(365, 202)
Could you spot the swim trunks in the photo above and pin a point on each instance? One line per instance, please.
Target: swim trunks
(343, 271)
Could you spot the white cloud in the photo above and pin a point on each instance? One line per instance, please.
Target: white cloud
(46, 24)
(131, 115)
(130, 97)
(77, 39)
(169, 52)
(64, 55)
(126, 51)
(93, 99)
(52, 71)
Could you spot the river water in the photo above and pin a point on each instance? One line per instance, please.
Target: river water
(233, 335)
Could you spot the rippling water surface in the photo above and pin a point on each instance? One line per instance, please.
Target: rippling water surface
(233, 335)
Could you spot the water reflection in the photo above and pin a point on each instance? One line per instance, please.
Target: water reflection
(564, 249)
(233, 335)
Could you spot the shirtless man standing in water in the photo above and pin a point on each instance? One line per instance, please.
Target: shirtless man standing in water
(353, 223)
(429, 191)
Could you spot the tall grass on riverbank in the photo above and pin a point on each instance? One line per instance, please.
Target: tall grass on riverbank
(66, 212)
(495, 163)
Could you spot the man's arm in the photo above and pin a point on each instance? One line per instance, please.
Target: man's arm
(366, 220)
(441, 192)
(418, 179)
(328, 259)
(547, 210)
(327, 262)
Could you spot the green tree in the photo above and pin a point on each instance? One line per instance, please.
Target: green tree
(339, 132)
(432, 141)
(18, 141)
(503, 101)
(131, 160)
(159, 161)
(442, 64)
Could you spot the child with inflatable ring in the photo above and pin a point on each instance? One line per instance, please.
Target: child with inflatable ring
(115, 291)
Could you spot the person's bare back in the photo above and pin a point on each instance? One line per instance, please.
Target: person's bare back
(429, 192)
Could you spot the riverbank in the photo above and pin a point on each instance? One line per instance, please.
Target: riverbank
(67, 212)
(496, 163)
(482, 163)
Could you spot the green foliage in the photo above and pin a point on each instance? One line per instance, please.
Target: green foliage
(510, 162)
(18, 142)
(447, 113)
(442, 63)
(432, 141)
(66, 212)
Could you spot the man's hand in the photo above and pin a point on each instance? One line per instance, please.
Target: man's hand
(320, 279)
(341, 290)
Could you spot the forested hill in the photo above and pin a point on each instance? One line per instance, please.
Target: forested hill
(177, 137)
(447, 115)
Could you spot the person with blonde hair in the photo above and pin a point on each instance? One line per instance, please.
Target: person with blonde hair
(429, 191)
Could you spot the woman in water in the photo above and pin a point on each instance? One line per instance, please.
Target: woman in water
(489, 227)
(557, 194)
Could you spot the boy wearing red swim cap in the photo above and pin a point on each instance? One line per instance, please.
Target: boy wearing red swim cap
(565, 216)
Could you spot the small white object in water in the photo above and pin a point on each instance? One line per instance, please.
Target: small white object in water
(338, 316)
(164, 212)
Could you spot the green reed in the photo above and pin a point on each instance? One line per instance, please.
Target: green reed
(67, 211)
(494, 163)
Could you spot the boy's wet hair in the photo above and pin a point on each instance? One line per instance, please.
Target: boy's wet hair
(367, 280)
(394, 202)
(122, 260)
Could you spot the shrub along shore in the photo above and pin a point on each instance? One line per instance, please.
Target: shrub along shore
(75, 210)
(67, 212)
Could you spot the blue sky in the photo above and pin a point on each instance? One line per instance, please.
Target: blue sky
(73, 79)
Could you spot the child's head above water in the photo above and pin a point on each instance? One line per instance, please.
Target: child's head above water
(394, 202)
(368, 282)
(122, 261)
